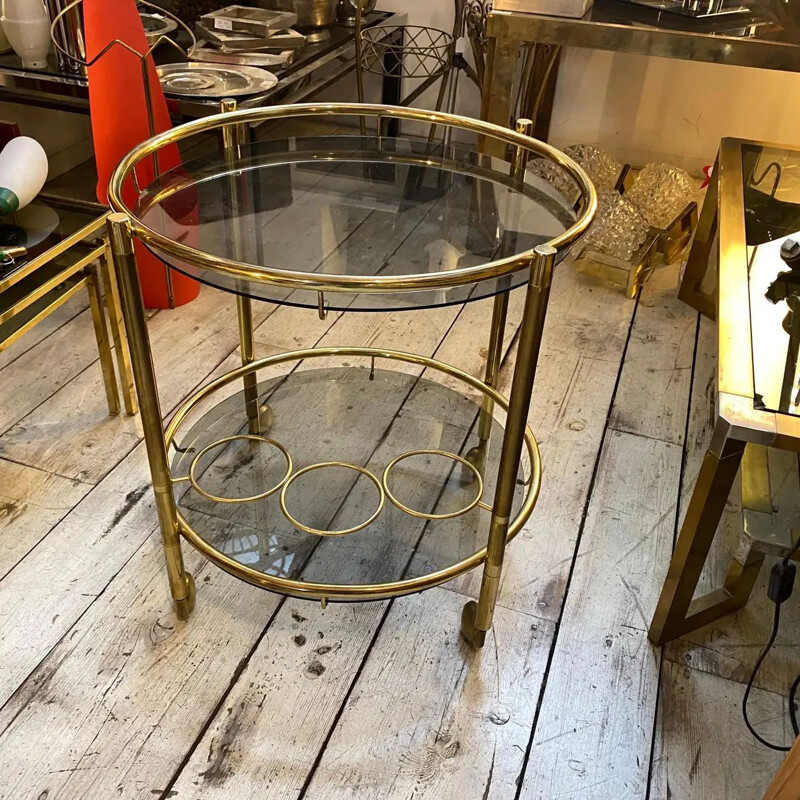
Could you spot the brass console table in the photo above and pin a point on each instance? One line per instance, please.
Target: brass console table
(621, 27)
(349, 473)
(752, 207)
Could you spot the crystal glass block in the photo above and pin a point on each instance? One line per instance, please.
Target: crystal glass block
(599, 166)
(619, 229)
(555, 175)
(661, 192)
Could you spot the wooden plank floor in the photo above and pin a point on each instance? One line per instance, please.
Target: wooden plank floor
(104, 694)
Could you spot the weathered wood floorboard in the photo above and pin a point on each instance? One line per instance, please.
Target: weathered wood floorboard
(702, 748)
(593, 736)
(104, 694)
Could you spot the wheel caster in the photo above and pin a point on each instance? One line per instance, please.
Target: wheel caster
(183, 608)
(469, 615)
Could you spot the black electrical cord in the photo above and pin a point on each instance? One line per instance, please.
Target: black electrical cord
(792, 709)
(775, 623)
(781, 583)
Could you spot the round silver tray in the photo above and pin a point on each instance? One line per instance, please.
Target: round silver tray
(214, 80)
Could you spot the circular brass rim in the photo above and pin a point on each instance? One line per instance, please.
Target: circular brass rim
(323, 465)
(346, 283)
(422, 514)
(251, 437)
(352, 592)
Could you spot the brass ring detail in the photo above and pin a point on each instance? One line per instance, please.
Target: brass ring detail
(421, 514)
(226, 440)
(343, 531)
(362, 591)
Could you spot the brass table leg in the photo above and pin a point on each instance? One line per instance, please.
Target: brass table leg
(233, 137)
(676, 614)
(476, 618)
(699, 256)
(498, 86)
(181, 583)
(477, 455)
(118, 332)
(259, 418)
(103, 344)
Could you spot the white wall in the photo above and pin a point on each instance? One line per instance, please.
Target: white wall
(645, 109)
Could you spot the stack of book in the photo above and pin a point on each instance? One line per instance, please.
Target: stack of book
(252, 36)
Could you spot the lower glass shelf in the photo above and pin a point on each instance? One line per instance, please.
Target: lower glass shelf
(363, 483)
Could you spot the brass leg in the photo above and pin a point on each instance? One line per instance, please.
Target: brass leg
(676, 614)
(501, 66)
(103, 344)
(118, 332)
(697, 261)
(476, 618)
(259, 419)
(477, 455)
(181, 583)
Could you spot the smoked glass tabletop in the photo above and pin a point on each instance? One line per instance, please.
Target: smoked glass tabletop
(347, 428)
(358, 205)
(772, 219)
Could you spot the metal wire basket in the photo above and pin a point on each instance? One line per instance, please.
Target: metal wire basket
(409, 51)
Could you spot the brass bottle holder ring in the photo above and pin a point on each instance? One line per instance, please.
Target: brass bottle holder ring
(476, 502)
(344, 531)
(192, 477)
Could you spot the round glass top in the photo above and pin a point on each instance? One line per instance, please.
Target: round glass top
(361, 206)
(343, 432)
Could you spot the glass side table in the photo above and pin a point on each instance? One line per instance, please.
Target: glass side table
(751, 209)
(348, 473)
(51, 254)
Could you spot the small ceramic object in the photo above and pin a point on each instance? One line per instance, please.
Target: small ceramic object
(23, 171)
(26, 24)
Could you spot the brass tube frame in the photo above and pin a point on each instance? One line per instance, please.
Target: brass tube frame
(103, 342)
(353, 592)
(232, 142)
(181, 582)
(477, 617)
(337, 282)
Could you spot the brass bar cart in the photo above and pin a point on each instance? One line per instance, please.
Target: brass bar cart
(348, 473)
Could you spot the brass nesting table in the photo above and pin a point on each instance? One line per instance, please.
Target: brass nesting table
(348, 473)
(57, 253)
(752, 207)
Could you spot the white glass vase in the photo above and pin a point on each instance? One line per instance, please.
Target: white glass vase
(27, 26)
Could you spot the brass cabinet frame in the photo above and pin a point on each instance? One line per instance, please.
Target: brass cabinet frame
(741, 430)
(508, 31)
(91, 271)
(124, 225)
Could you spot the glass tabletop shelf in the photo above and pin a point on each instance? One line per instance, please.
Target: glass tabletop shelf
(359, 207)
(366, 475)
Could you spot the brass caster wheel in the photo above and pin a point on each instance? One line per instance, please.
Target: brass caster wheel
(183, 608)
(469, 615)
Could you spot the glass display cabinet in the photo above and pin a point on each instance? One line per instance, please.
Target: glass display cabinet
(742, 270)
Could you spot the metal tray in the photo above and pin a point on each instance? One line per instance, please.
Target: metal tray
(156, 26)
(214, 80)
(242, 19)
